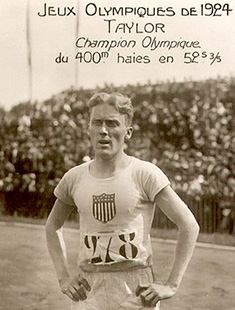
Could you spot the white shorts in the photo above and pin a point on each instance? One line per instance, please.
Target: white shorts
(115, 290)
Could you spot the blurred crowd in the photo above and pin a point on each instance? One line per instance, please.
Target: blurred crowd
(186, 128)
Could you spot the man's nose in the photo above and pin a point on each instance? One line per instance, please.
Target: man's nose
(103, 128)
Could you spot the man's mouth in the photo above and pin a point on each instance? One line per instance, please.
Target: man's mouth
(104, 141)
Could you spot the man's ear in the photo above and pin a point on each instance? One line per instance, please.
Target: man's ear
(129, 132)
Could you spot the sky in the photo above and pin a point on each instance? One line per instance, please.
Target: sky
(51, 35)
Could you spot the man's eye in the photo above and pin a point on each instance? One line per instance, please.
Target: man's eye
(111, 123)
(97, 122)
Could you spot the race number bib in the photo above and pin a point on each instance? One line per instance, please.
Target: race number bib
(106, 248)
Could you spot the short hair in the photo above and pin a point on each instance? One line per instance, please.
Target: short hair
(120, 102)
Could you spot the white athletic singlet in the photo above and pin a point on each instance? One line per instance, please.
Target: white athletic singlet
(115, 214)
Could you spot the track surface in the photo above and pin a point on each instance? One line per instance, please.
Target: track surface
(28, 281)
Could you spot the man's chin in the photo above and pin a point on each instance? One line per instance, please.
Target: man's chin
(104, 154)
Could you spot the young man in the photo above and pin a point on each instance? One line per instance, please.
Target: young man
(115, 196)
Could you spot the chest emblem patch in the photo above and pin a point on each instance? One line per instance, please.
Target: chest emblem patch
(104, 209)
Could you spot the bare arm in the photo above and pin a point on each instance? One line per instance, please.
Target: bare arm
(72, 287)
(55, 241)
(176, 210)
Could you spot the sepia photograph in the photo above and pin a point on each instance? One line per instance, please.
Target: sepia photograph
(117, 155)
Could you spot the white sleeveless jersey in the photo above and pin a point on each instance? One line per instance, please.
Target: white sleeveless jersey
(115, 214)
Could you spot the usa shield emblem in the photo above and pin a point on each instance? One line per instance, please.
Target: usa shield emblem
(104, 209)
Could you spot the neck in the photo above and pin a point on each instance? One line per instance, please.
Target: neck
(107, 167)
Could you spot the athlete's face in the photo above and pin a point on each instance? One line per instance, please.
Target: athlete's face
(108, 130)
